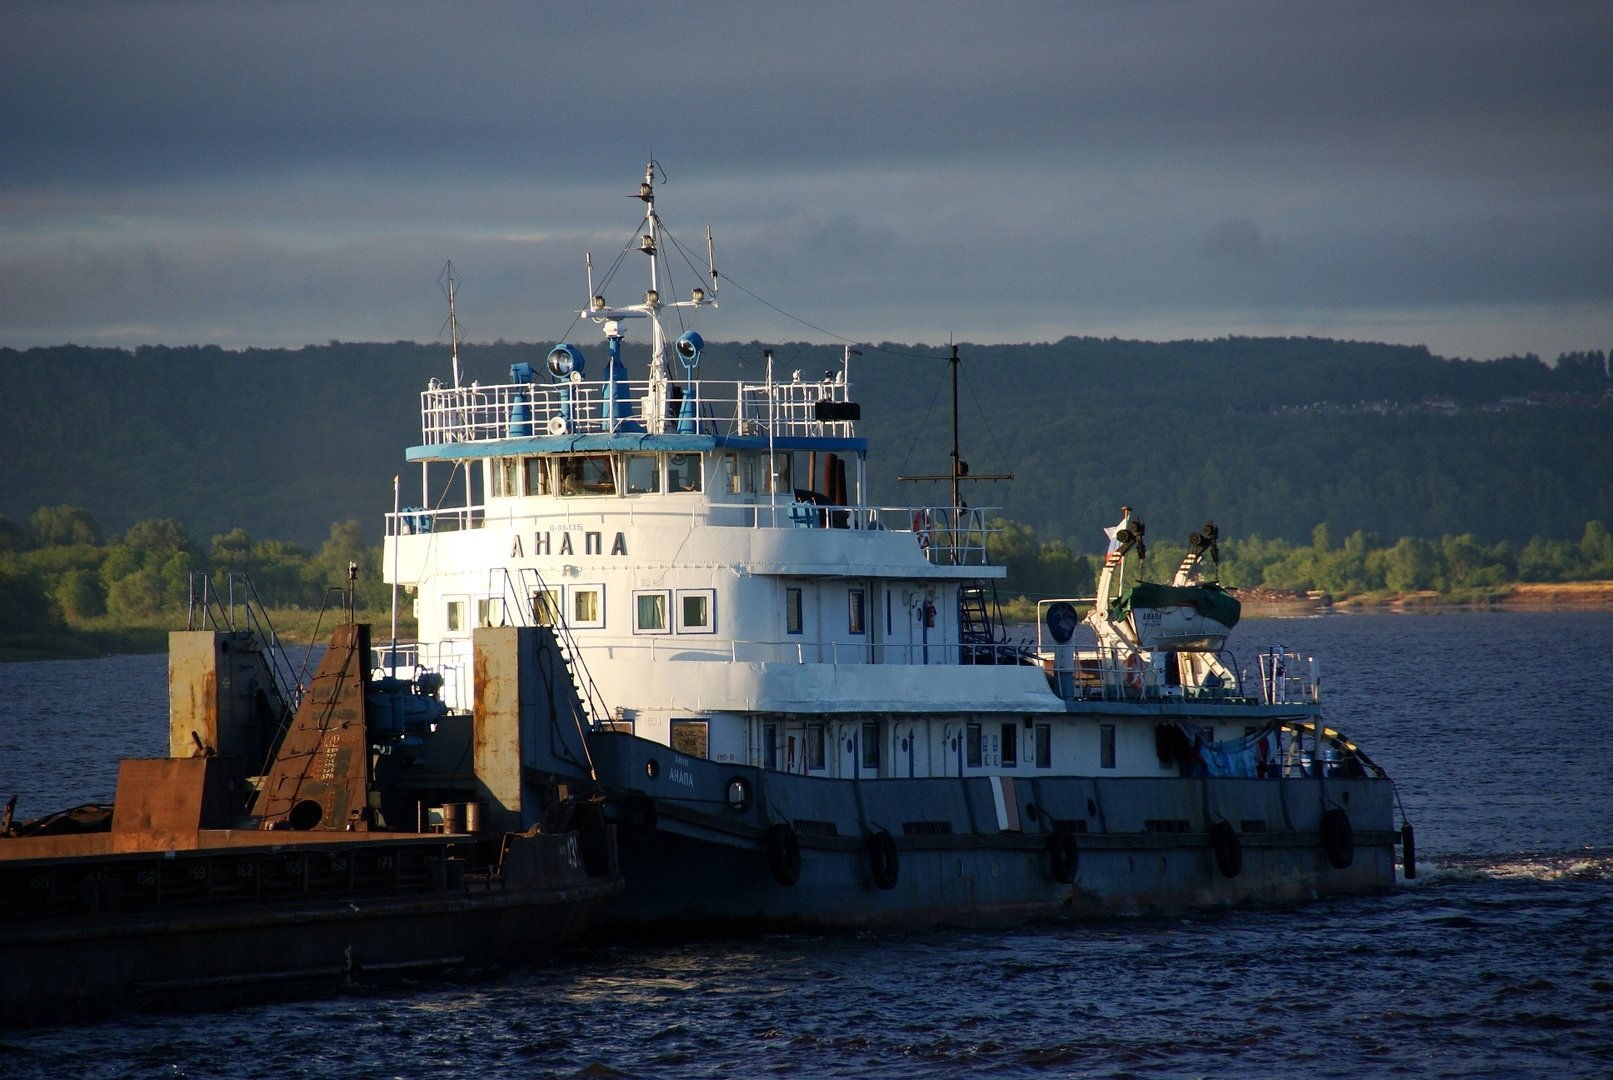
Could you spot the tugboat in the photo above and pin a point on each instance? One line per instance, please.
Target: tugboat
(364, 848)
(803, 709)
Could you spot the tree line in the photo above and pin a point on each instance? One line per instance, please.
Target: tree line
(1360, 564)
(60, 570)
(1266, 435)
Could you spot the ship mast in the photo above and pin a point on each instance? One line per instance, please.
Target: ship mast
(960, 468)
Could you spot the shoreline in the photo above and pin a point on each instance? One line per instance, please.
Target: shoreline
(1267, 603)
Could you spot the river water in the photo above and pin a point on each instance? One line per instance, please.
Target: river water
(1497, 960)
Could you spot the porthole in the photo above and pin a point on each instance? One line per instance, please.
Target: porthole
(652, 768)
(739, 795)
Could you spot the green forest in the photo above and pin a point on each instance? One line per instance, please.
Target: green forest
(66, 586)
(1342, 467)
(1269, 436)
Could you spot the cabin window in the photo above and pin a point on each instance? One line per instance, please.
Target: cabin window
(972, 747)
(1106, 746)
(641, 474)
(683, 472)
(1044, 746)
(769, 746)
(489, 611)
(792, 611)
(503, 476)
(815, 746)
(1010, 746)
(535, 476)
(779, 474)
(689, 738)
(733, 478)
(694, 611)
(588, 606)
(856, 614)
(871, 745)
(456, 616)
(545, 607)
(649, 613)
(588, 474)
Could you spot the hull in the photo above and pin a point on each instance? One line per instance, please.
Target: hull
(702, 845)
(113, 933)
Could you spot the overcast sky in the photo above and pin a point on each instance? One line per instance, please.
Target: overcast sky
(292, 173)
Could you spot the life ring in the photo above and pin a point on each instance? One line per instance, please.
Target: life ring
(921, 528)
(783, 853)
(1338, 838)
(1228, 849)
(883, 865)
(1134, 671)
(1063, 855)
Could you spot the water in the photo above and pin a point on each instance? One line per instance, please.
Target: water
(1496, 961)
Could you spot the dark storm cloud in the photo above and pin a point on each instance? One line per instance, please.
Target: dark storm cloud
(278, 173)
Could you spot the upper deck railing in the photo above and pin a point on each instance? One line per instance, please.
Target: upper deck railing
(707, 407)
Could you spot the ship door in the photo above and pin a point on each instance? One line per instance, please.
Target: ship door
(952, 750)
(904, 745)
(848, 739)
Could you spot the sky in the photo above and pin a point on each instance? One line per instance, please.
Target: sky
(286, 173)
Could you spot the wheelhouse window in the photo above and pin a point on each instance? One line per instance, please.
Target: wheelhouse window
(456, 616)
(1106, 746)
(779, 474)
(694, 611)
(641, 474)
(545, 607)
(503, 476)
(856, 611)
(1010, 746)
(587, 474)
(792, 611)
(535, 476)
(588, 606)
(649, 613)
(972, 753)
(683, 472)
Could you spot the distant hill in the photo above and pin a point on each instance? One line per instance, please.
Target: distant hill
(1266, 435)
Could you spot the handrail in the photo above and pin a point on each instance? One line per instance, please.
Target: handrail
(209, 610)
(516, 410)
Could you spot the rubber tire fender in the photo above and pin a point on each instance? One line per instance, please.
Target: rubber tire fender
(1063, 855)
(1338, 838)
(1228, 849)
(884, 866)
(783, 853)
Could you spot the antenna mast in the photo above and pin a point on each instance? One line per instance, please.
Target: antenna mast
(960, 468)
(453, 320)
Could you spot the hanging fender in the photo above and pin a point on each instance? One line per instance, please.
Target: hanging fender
(1338, 838)
(883, 865)
(783, 853)
(1228, 849)
(1064, 856)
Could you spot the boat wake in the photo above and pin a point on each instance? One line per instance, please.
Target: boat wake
(1551, 867)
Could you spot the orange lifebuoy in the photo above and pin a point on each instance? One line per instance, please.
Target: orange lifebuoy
(1134, 671)
(921, 528)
